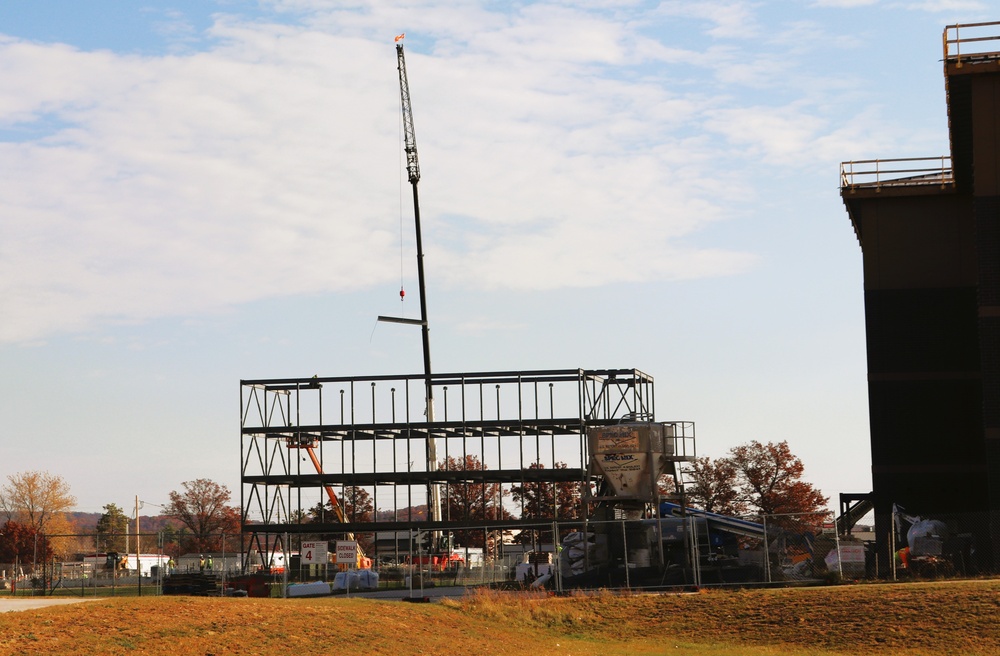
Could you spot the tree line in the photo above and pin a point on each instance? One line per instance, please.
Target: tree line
(37, 526)
(751, 479)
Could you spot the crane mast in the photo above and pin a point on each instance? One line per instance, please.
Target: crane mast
(413, 173)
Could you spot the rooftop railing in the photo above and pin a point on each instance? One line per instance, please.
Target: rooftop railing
(971, 41)
(878, 173)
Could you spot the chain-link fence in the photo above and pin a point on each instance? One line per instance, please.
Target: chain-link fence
(688, 548)
(682, 547)
(939, 546)
(98, 565)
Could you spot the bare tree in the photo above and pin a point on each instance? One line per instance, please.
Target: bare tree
(33, 498)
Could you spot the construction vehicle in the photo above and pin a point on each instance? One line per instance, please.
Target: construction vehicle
(413, 175)
(309, 446)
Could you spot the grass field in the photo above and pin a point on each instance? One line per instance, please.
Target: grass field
(910, 619)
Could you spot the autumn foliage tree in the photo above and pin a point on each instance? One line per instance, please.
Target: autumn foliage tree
(22, 543)
(202, 507)
(34, 498)
(763, 479)
(545, 500)
(357, 506)
(713, 487)
(770, 477)
(471, 500)
(40, 501)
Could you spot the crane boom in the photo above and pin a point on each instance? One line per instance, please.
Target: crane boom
(338, 510)
(409, 136)
(413, 172)
(364, 562)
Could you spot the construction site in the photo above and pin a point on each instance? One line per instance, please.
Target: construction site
(569, 478)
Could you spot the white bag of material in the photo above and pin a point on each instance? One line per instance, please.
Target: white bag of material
(577, 537)
(368, 579)
(346, 580)
(311, 589)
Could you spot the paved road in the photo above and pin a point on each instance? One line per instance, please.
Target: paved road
(8, 605)
(28, 603)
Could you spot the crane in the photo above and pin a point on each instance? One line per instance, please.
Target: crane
(413, 174)
(309, 445)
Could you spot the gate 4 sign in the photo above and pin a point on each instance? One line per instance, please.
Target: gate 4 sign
(314, 553)
(347, 552)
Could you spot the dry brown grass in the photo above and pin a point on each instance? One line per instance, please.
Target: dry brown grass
(924, 619)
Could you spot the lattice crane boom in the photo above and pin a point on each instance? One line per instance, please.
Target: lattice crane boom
(413, 172)
(409, 136)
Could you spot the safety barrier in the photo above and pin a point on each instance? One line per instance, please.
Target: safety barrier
(980, 40)
(908, 171)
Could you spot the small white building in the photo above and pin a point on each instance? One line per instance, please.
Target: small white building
(99, 562)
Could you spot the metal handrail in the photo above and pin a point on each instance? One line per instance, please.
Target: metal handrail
(874, 173)
(957, 41)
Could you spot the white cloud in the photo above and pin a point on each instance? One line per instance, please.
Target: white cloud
(730, 19)
(939, 6)
(482, 325)
(844, 3)
(559, 147)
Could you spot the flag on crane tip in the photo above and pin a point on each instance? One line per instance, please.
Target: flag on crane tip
(400, 37)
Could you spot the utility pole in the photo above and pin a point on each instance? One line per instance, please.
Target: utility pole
(138, 565)
(137, 529)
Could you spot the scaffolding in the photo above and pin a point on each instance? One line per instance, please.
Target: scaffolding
(493, 431)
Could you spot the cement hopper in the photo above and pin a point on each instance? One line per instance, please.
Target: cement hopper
(632, 457)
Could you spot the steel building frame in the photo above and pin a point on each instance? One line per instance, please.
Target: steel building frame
(372, 432)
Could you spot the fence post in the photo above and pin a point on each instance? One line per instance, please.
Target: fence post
(892, 544)
(694, 559)
(34, 565)
(558, 554)
(767, 550)
(836, 538)
(625, 551)
(284, 570)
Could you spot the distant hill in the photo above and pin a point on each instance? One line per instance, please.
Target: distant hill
(87, 522)
(403, 514)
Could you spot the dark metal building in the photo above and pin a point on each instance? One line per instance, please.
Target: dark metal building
(929, 231)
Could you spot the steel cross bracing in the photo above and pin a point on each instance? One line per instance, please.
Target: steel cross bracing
(371, 432)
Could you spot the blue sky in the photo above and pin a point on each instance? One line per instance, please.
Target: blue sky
(192, 193)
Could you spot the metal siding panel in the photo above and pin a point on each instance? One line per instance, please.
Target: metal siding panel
(918, 242)
(922, 330)
(984, 133)
(988, 249)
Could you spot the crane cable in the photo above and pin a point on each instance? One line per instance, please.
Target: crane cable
(402, 292)
(402, 267)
